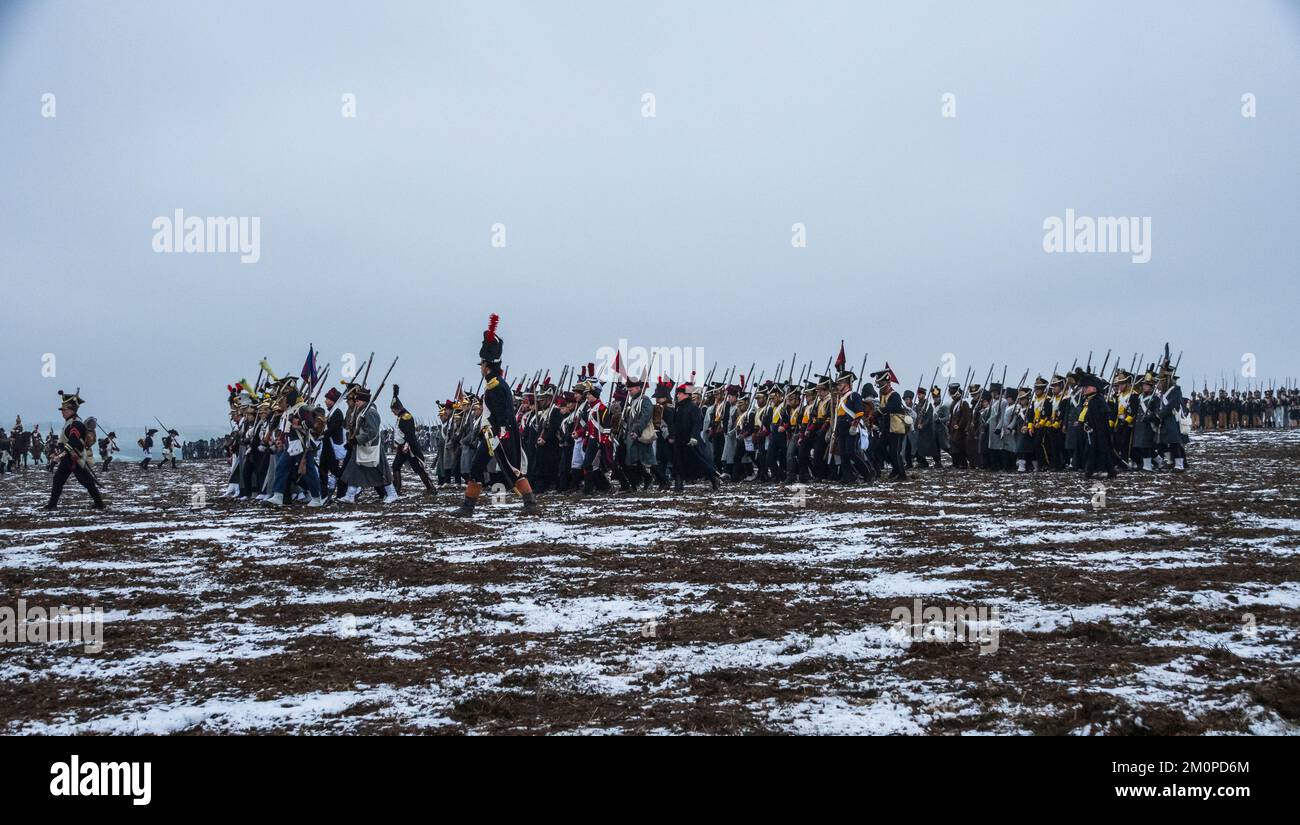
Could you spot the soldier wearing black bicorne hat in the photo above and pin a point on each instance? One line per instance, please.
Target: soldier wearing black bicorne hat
(1169, 434)
(1123, 414)
(406, 446)
(850, 418)
(548, 450)
(500, 430)
(1094, 427)
(72, 460)
(146, 445)
(691, 456)
(893, 426)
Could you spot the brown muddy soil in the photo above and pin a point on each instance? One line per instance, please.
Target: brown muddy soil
(761, 609)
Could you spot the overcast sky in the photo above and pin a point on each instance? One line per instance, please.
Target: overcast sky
(924, 233)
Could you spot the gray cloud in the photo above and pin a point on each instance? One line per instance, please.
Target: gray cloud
(924, 234)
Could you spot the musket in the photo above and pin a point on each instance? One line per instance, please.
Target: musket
(1004, 377)
(376, 393)
(975, 399)
(320, 384)
(792, 358)
(1088, 368)
(1102, 371)
(160, 424)
(369, 361)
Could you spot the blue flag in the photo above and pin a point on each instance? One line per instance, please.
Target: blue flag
(309, 366)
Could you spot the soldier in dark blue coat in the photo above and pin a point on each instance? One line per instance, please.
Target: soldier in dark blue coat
(691, 456)
(406, 447)
(72, 460)
(850, 418)
(892, 428)
(1094, 427)
(500, 431)
(1170, 436)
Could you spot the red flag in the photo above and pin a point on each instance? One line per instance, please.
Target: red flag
(840, 359)
(618, 364)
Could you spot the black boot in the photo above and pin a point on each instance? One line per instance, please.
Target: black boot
(530, 505)
(658, 477)
(466, 507)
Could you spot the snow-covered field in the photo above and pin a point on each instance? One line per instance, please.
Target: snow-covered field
(1173, 609)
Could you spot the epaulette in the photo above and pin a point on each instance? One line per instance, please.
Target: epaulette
(406, 416)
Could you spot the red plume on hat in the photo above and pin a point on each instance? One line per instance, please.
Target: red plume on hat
(840, 360)
(742, 383)
(618, 364)
(490, 351)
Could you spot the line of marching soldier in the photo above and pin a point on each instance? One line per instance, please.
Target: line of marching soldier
(588, 437)
(1252, 409)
